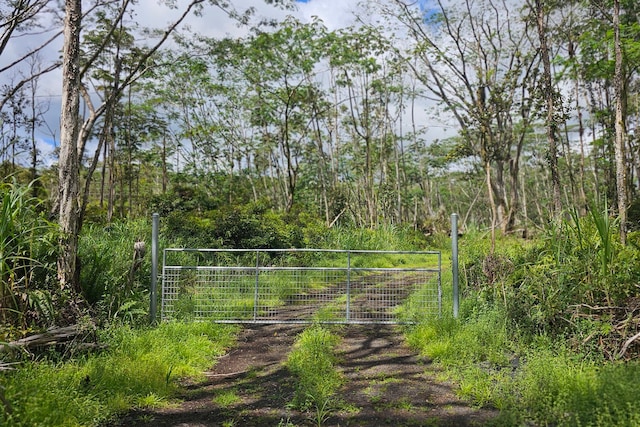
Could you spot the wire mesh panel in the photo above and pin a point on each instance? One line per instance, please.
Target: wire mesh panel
(300, 285)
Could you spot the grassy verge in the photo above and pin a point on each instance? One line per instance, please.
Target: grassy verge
(532, 382)
(139, 369)
(312, 363)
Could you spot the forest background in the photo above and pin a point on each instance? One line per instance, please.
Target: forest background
(522, 118)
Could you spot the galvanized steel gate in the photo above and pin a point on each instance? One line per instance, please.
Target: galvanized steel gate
(300, 285)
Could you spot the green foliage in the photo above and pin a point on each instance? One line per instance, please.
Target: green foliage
(383, 237)
(530, 381)
(246, 226)
(312, 362)
(538, 321)
(183, 197)
(604, 225)
(140, 368)
(554, 285)
(480, 337)
(111, 281)
(557, 387)
(475, 350)
(27, 259)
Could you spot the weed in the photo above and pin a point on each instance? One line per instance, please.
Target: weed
(547, 385)
(312, 362)
(27, 254)
(286, 423)
(404, 403)
(226, 398)
(151, 400)
(322, 410)
(145, 418)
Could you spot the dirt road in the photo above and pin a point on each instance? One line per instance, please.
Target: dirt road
(386, 384)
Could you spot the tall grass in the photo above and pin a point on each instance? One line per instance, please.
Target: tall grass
(140, 368)
(27, 256)
(109, 281)
(384, 237)
(604, 225)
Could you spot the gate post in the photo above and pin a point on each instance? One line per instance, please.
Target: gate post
(153, 306)
(348, 313)
(454, 262)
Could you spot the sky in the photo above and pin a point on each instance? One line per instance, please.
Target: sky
(151, 13)
(335, 14)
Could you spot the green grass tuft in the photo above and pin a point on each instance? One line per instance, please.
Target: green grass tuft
(312, 362)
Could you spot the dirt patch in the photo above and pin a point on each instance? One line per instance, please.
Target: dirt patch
(386, 384)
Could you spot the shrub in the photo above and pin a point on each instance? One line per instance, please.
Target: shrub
(577, 282)
(28, 244)
(110, 280)
(246, 226)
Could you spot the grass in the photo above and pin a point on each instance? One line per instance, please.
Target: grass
(226, 398)
(531, 381)
(312, 363)
(140, 369)
(520, 345)
(27, 259)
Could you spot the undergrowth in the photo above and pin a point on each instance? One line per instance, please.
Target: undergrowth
(544, 328)
(535, 381)
(140, 368)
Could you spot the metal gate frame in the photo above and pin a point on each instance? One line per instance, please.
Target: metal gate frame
(239, 289)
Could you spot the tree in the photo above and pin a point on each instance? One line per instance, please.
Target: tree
(478, 64)
(26, 17)
(69, 161)
(74, 135)
(549, 94)
(278, 68)
(370, 74)
(620, 138)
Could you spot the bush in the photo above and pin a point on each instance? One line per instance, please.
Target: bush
(243, 227)
(556, 387)
(530, 380)
(112, 283)
(28, 244)
(577, 282)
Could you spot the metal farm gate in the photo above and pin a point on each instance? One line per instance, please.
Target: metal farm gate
(300, 285)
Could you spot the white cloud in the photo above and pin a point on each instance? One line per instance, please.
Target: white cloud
(334, 13)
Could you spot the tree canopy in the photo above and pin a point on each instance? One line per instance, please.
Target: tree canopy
(509, 115)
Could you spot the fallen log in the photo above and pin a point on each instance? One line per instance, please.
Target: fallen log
(51, 336)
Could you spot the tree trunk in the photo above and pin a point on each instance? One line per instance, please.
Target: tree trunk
(165, 175)
(621, 168)
(492, 203)
(551, 125)
(68, 165)
(498, 189)
(34, 146)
